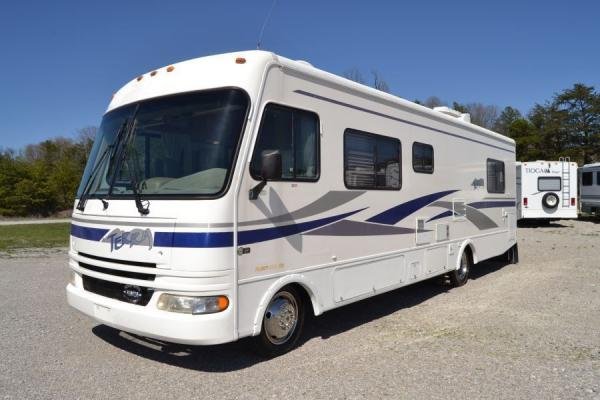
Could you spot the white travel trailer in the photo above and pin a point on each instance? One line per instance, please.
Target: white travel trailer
(228, 196)
(547, 189)
(590, 188)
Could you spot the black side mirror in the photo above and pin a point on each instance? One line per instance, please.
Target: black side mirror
(271, 168)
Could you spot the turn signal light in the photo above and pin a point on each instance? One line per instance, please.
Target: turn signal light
(525, 201)
(573, 201)
(240, 60)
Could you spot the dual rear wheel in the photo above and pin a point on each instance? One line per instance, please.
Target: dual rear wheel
(460, 276)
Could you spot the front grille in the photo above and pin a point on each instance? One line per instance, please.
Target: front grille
(124, 262)
(115, 272)
(116, 290)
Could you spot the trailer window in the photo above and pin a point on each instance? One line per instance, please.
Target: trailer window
(549, 183)
(422, 158)
(495, 176)
(587, 178)
(371, 161)
(295, 133)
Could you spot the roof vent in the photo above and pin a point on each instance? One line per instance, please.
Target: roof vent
(453, 113)
(303, 62)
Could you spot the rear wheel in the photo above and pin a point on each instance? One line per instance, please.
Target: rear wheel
(460, 276)
(282, 323)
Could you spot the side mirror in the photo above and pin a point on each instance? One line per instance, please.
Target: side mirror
(271, 168)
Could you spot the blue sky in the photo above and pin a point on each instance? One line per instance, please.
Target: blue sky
(62, 60)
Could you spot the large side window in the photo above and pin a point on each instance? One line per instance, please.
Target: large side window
(371, 161)
(422, 155)
(295, 133)
(587, 178)
(598, 178)
(495, 176)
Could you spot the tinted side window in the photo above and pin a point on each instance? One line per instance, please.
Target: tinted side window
(371, 161)
(295, 133)
(598, 178)
(422, 158)
(495, 176)
(587, 178)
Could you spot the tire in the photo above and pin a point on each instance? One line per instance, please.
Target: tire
(282, 323)
(550, 200)
(460, 276)
(513, 255)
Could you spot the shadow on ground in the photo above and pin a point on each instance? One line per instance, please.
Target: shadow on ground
(237, 355)
(540, 223)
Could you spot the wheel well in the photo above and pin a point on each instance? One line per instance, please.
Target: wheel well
(469, 250)
(306, 299)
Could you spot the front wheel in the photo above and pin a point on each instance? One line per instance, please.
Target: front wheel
(282, 323)
(460, 276)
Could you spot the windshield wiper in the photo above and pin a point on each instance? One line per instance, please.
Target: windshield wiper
(142, 207)
(92, 177)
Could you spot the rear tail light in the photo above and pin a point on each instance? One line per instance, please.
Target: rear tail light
(525, 201)
(573, 201)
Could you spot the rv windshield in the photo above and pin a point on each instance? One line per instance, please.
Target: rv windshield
(177, 145)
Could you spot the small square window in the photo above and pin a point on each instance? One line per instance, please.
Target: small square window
(422, 158)
(495, 176)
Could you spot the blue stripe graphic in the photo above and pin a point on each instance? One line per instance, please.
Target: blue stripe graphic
(88, 233)
(217, 239)
(491, 204)
(396, 214)
(261, 235)
(440, 216)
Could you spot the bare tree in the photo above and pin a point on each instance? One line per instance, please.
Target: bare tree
(434, 101)
(483, 115)
(354, 75)
(86, 136)
(379, 83)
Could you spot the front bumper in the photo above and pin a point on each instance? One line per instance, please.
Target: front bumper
(151, 322)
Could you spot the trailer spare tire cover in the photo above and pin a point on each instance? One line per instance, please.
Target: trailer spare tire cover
(550, 200)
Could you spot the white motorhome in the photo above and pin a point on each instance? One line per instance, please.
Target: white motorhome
(547, 189)
(590, 188)
(228, 196)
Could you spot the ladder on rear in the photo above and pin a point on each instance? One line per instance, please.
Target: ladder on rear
(566, 180)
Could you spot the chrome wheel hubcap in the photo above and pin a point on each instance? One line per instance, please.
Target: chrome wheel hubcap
(281, 318)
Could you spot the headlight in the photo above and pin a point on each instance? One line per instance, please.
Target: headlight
(192, 305)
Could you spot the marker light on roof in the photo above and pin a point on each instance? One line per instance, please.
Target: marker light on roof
(240, 60)
(139, 78)
(152, 73)
(170, 68)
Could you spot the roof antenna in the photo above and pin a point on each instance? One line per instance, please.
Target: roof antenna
(264, 25)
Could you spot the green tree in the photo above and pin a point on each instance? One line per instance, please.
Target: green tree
(506, 119)
(580, 107)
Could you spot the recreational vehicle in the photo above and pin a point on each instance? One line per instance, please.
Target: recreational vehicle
(590, 188)
(547, 189)
(229, 196)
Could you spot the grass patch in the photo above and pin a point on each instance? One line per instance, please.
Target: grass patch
(34, 235)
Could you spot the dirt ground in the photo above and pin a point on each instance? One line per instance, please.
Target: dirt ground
(525, 331)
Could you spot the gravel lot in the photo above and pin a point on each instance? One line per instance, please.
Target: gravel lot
(530, 330)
